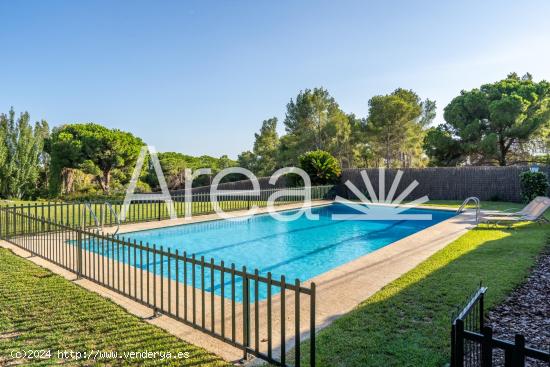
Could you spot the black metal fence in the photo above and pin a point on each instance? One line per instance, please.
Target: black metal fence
(258, 313)
(79, 213)
(473, 344)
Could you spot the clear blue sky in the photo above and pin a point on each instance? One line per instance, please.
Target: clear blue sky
(199, 76)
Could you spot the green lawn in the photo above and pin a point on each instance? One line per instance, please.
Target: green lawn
(43, 311)
(407, 323)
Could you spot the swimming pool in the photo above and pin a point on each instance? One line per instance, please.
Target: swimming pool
(300, 249)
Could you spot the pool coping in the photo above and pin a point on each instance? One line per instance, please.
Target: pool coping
(338, 291)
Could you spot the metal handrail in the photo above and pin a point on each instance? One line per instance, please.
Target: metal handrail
(87, 205)
(466, 201)
(114, 213)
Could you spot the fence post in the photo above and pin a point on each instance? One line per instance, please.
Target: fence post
(508, 357)
(297, 323)
(79, 255)
(312, 350)
(519, 351)
(159, 206)
(453, 345)
(487, 347)
(481, 306)
(246, 314)
(459, 342)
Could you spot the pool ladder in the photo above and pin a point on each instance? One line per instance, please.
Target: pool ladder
(477, 203)
(101, 223)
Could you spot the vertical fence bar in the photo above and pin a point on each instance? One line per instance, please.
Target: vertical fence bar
(161, 279)
(193, 289)
(169, 282)
(283, 321)
(509, 357)
(148, 272)
(481, 310)
(233, 326)
(256, 312)
(177, 286)
(79, 254)
(312, 346)
(246, 313)
(269, 318)
(487, 347)
(297, 323)
(459, 343)
(519, 351)
(203, 301)
(222, 305)
(154, 277)
(185, 285)
(212, 304)
(141, 271)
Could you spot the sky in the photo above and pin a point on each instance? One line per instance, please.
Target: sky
(199, 77)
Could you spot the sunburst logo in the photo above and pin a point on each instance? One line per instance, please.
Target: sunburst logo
(382, 205)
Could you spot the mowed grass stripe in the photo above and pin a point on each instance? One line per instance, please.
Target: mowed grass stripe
(40, 310)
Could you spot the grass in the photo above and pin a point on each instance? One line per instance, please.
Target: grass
(43, 311)
(407, 323)
(488, 205)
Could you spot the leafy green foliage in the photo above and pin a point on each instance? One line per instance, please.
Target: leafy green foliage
(321, 167)
(315, 121)
(94, 149)
(533, 184)
(174, 164)
(491, 122)
(263, 159)
(21, 155)
(396, 127)
(442, 149)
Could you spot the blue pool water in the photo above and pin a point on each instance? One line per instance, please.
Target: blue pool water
(300, 249)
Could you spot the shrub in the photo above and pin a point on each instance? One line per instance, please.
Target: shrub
(321, 167)
(533, 184)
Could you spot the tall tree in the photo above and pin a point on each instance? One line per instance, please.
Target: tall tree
(95, 149)
(22, 146)
(395, 127)
(266, 145)
(315, 121)
(248, 160)
(490, 122)
(66, 156)
(361, 154)
(263, 159)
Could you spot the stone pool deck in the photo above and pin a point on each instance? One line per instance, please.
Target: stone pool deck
(338, 291)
